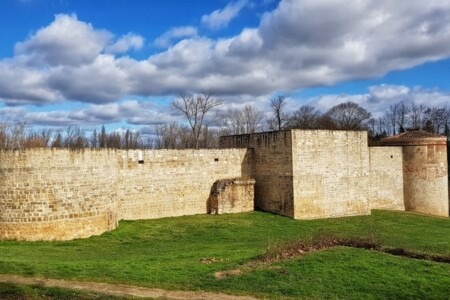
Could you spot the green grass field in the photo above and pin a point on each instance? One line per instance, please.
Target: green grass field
(168, 253)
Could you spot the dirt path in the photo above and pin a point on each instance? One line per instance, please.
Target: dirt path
(118, 289)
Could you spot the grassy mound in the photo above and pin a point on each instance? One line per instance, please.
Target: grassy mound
(185, 253)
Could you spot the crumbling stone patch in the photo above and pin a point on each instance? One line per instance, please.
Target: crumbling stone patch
(231, 196)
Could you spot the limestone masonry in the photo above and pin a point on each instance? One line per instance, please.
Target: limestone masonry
(60, 194)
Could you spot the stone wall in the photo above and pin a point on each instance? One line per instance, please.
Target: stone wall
(62, 194)
(309, 174)
(271, 153)
(386, 178)
(174, 182)
(59, 194)
(426, 173)
(231, 196)
(56, 194)
(331, 173)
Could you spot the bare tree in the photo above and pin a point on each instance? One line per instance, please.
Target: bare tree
(3, 135)
(436, 119)
(38, 138)
(381, 126)
(166, 136)
(391, 118)
(16, 136)
(94, 139)
(195, 108)
(402, 114)
(12, 136)
(210, 138)
(114, 140)
(132, 140)
(75, 138)
(349, 116)
(57, 142)
(447, 131)
(372, 125)
(280, 118)
(230, 122)
(173, 136)
(415, 116)
(46, 136)
(306, 117)
(252, 119)
(102, 138)
(235, 121)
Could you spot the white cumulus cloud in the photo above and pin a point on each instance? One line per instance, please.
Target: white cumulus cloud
(133, 112)
(126, 43)
(174, 34)
(378, 98)
(221, 17)
(66, 41)
(300, 44)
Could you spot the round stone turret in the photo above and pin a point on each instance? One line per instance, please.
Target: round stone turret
(425, 171)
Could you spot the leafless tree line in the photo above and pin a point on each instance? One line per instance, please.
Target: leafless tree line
(18, 136)
(199, 132)
(343, 116)
(179, 136)
(249, 119)
(402, 116)
(399, 117)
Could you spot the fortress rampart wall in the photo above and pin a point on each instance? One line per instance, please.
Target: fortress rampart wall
(386, 178)
(61, 194)
(310, 174)
(174, 182)
(331, 173)
(425, 171)
(272, 168)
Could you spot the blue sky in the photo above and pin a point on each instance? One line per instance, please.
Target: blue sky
(121, 62)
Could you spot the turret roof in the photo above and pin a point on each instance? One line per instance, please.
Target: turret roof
(417, 137)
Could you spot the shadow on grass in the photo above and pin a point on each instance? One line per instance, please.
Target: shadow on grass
(324, 240)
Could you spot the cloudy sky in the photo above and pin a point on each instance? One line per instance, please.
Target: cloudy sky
(121, 62)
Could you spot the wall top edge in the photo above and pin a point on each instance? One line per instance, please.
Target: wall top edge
(115, 150)
(294, 130)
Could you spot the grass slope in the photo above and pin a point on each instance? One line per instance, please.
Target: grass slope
(167, 253)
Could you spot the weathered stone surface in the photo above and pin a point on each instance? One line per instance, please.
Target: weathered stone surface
(308, 174)
(271, 153)
(62, 229)
(331, 173)
(231, 196)
(425, 171)
(386, 178)
(60, 194)
(49, 194)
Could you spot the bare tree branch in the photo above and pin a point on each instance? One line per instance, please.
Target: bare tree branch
(195, 108)
(280, 118)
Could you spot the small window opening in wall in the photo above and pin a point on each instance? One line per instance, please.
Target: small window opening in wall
(216, 159)
(140, 158)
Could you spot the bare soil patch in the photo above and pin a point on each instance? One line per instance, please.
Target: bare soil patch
(118, 289)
